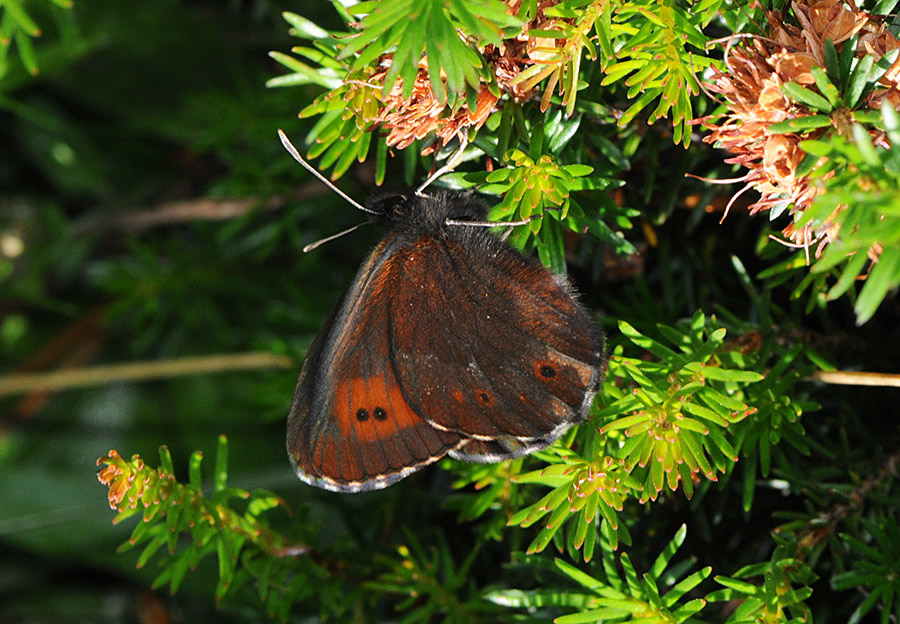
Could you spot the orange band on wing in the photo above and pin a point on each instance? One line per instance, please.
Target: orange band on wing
(369, 409)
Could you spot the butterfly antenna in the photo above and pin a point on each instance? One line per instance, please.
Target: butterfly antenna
(293, 152)
(312, 246)
(492, 223)
(509, 225)
(451, 163)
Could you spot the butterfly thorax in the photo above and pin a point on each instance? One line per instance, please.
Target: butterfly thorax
(415, 215)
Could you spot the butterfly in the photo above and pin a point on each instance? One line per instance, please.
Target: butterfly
(449, 342)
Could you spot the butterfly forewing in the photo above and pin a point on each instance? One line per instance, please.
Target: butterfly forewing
(350, 427)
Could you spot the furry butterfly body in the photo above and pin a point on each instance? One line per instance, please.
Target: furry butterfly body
(447, 342)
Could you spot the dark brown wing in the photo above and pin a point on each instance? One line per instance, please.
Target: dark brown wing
(492, 346)
(350, 427)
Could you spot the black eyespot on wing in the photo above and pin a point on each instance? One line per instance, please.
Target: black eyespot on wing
(380, 414)
(362, 414)
(547, 371)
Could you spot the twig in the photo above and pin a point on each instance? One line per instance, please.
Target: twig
(140, 371)
(856, 378)
(182, 211)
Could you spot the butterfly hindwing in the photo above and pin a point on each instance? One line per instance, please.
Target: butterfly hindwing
(496, 349)
(500, 449)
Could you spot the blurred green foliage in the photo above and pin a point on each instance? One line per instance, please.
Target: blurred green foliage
(20, 25)
(149, 213)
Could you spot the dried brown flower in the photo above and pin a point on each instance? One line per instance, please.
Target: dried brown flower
(423, 113)
(756, 70)
(412, 118)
